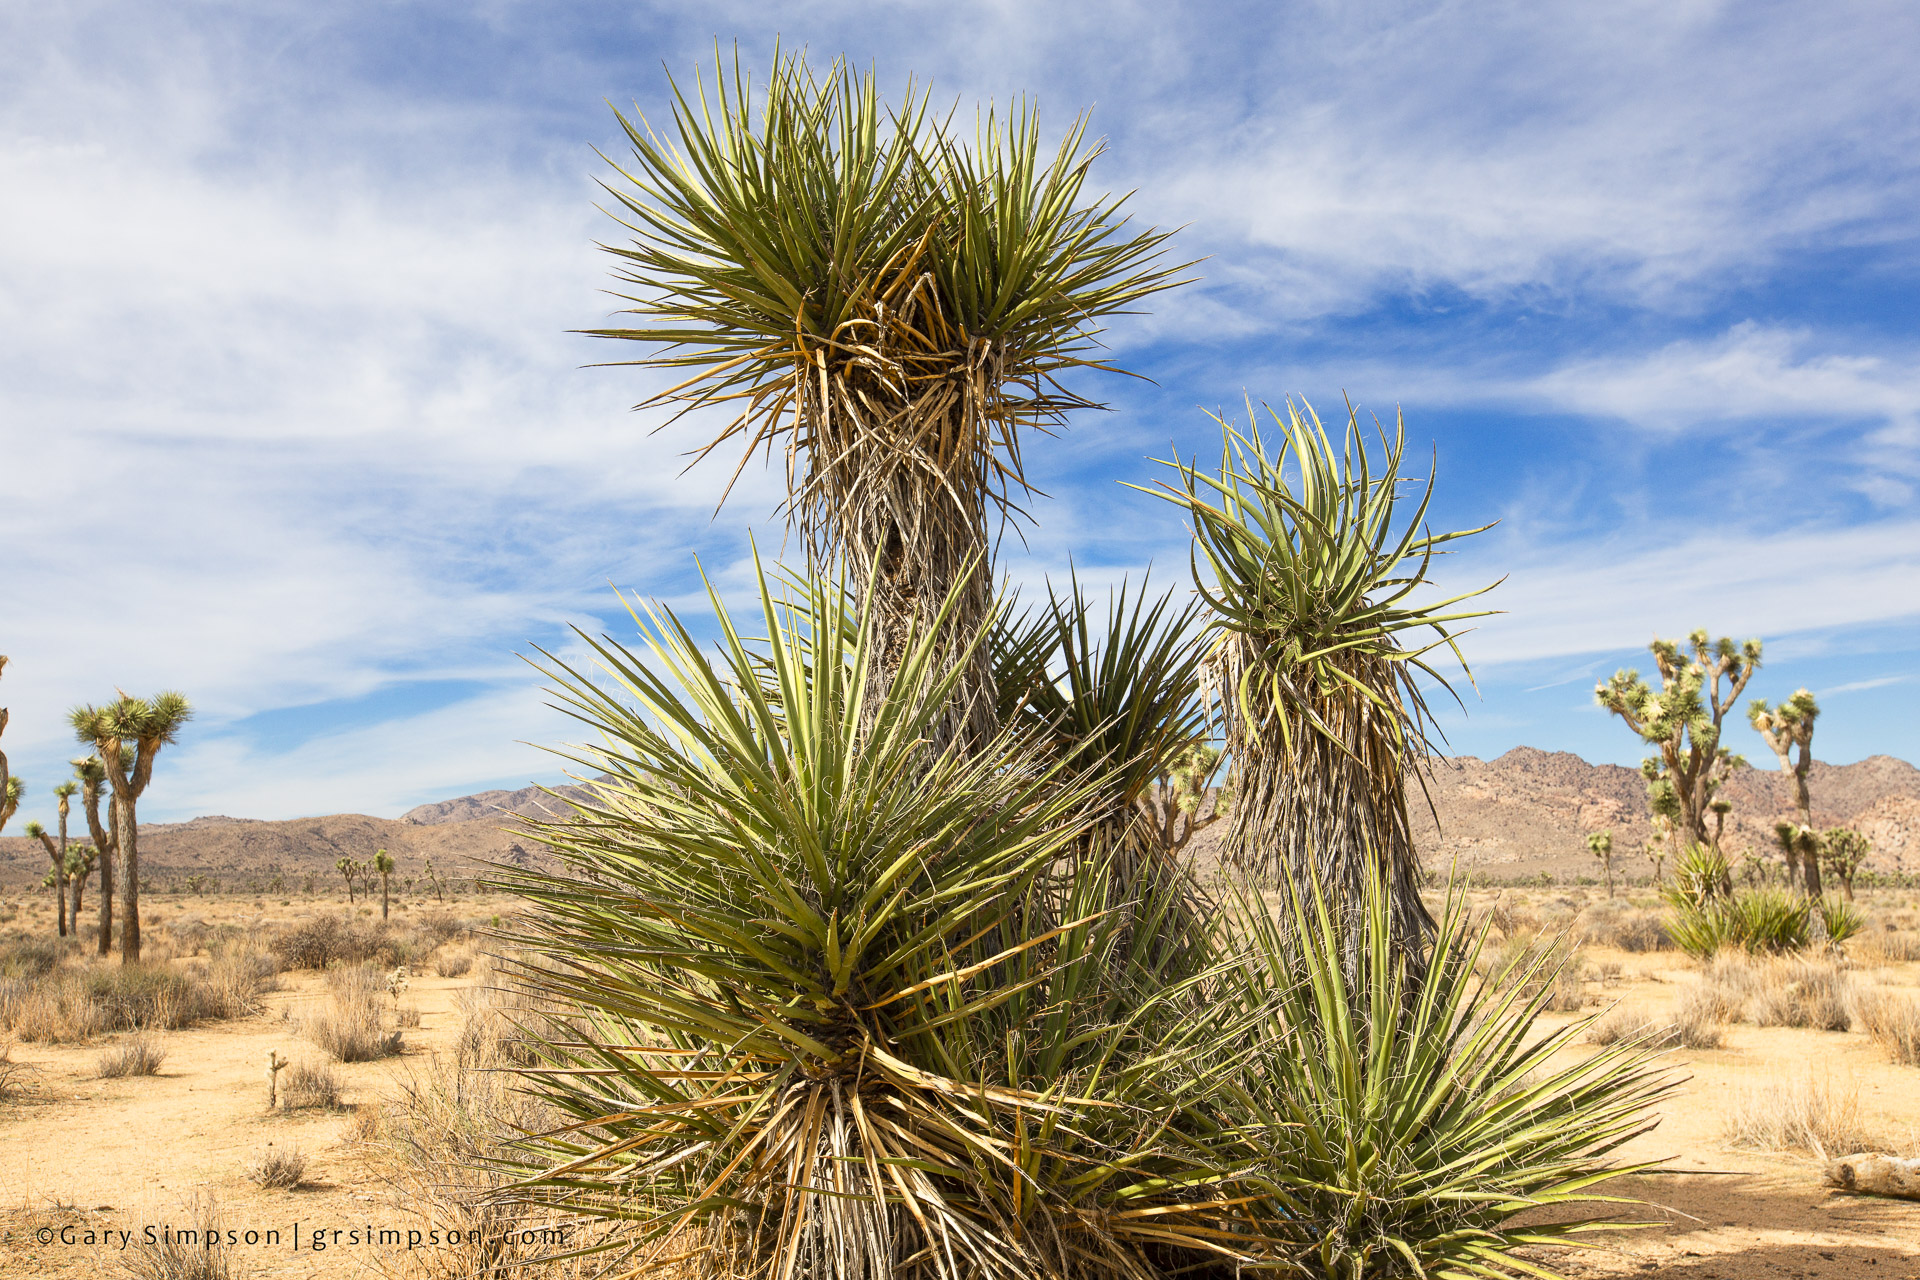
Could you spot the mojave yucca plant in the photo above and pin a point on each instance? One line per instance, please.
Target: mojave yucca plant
(1312, 570)
(888, 303)
(840, 1002)
(1407, 1116)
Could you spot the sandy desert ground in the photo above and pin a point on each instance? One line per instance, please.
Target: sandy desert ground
(89, 1157)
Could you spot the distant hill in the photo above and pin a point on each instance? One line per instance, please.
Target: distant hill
(532, 801)
(1530, 811)
(1527, 811)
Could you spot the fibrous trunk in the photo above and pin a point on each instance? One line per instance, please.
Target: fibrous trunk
(901, 470)
(129, 880)
(1322, 803)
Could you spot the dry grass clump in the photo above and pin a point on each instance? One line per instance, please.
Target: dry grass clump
(1692, 1027)
(432, 1145)
(311, 1085)
(453, 964)
(193, 1247)
(340, 939)
(74, 999)
(352, 1022)
(1818, 1117)
(1803, 993)
(11, 1073)
(1698, 1020)
(1893, 1021)
(1891, 945)
(1624, 929)
(1569, 993)
(278, 1168)
(139, 1054)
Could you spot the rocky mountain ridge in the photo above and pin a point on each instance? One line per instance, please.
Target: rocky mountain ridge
(1526, 812)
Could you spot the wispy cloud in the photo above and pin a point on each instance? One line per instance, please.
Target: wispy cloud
(289, 413)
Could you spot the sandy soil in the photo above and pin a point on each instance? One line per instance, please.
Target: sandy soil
(97, 1155)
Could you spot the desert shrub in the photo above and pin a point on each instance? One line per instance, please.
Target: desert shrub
(1803, 993)
(1693, 1026)
(1699, 929)
(1842, 919)
(435, 1145)
(1813, 1116)
(278, 1168)
(1569, 990)
(452, 964)
(441, 927)
(1769, 921)
(178, 1255)
(311, 1085)
(341, 939)
(75, 1003)
(1877, 946)
(1728, 986)
(11, 1073)
(1892, 1019)
(32, 957)
(351, 1023)
(1698, 1022)
(1625, 1025)
(1640, 932)
(139, 1054)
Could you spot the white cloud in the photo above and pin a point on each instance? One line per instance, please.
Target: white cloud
(1750, 372)
(1564, 600)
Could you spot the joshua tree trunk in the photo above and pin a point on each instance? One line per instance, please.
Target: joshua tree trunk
(129, 880)
(60, 875)
(109, 852)
(59, 879)
(383, 897)
(79, 889)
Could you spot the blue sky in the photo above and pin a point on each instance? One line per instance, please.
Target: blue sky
(291, 419)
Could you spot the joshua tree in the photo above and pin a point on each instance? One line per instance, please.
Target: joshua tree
(9, 790)
(1309, 583)
(1787, 728)
(80, 863)
(435, 885)
(64, 793)
(56, 878)
(10, 798)
(1800, 847)
(1600, 845)
(384, 865)
(885, 305)
(1691, 764)
(1655, 849)
(106, 840)
(127, 734)
(349, 871)
(1173, 807)
(1842, 850)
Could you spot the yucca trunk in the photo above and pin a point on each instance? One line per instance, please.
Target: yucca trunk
(1322, 804)
(900, 474)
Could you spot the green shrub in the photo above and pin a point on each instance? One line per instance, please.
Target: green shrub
(1841, 918)
(1405, 1130)
(1769, 921)
(1698, 930)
